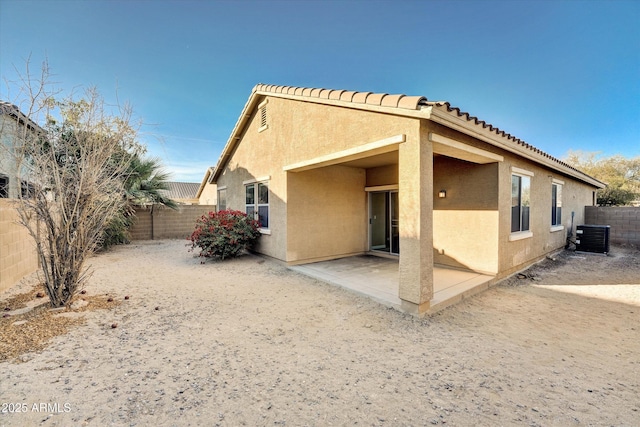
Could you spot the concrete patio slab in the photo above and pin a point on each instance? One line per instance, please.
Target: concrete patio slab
(377, 278)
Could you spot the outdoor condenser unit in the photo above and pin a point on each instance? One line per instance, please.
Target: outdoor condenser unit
(592, 238)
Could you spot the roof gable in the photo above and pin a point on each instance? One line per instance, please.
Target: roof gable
(403, 105)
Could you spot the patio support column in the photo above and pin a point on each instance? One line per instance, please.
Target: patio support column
(415, 176)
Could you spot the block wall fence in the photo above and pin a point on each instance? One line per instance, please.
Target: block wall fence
(624, 222)
(158, 222)
(18, 256)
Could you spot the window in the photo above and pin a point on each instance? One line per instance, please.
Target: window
(222, 199)
(257, 202)
(26, 190)
(4, 187)
(556, 203)
(262, 115)
(520, 202)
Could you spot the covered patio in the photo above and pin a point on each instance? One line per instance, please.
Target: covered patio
(377, 278)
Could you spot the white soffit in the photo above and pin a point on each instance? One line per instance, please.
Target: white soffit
(360, 152)
(452, 148)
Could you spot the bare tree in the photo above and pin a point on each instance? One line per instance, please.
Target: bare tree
(73, 167)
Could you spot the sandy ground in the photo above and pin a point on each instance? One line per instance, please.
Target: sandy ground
(248, 342)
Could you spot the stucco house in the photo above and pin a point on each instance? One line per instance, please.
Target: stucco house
(336, 173)
(14, 127)
(207, 193)
(17, 249)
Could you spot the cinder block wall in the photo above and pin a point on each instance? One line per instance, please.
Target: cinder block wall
(624, 222)
(165, 223)
(17, 249)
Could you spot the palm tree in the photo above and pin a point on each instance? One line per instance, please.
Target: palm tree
(145, 182)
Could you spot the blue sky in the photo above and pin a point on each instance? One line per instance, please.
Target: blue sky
(561, 75)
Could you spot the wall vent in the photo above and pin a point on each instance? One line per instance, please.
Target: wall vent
(262, 111)
(593, 238)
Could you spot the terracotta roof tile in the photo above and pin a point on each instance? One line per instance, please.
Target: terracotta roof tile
(391, 100)
(360, 97)
(336, 94)
(375, 98)
(347, 96)
(402, 102)
(497, 131)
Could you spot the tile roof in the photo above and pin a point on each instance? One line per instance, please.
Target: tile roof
(12, 110)
(381, 99)
(403, 103)
(181, 190)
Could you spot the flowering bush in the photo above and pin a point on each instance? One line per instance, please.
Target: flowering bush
(224, 234)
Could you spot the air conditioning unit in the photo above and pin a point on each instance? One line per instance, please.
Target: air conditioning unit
(593, 238)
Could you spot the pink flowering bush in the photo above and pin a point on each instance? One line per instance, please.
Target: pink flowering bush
(224, 234)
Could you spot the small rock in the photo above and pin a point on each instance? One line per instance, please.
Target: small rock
(79, 304)
(368, 325)
(83, 292)
(7, 309)
(157, 308)
(114, 325)
(109, 299)
(39, 295)
(6, 315)
(126, 297)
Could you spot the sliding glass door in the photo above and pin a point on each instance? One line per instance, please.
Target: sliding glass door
(384, 229)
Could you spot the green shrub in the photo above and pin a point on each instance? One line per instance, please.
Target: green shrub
(224, 234)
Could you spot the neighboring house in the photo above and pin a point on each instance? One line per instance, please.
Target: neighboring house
(334, 173)
(208, 192)
(17, 249)
(14, 127)
(183, 193)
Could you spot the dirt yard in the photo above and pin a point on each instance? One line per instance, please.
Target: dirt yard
(249, 342)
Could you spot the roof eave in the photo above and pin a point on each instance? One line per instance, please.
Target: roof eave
(486, 134)
(399, 105)
(258, 93)
(230, 146)
(207, 174)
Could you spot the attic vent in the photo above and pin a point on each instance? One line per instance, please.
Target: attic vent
(262, 110)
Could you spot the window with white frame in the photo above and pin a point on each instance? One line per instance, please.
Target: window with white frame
(520, 201)
(222, 199)
(257, 202)
(556, 203)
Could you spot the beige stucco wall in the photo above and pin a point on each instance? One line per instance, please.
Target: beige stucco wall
(17, 249)
(382, 175)
(299, 131)
(327, 213)
(415, 189)
(321, 213)
(515, 255)
(465, 222)
(209, 195)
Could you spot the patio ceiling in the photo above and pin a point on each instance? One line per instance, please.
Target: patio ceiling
(452, 148)
(376, 153)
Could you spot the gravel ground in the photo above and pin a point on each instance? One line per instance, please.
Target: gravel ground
(249, 342)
